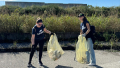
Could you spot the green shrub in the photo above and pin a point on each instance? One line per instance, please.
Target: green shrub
(107, 36)
(16, 23)
(57, 10)
(8, 9)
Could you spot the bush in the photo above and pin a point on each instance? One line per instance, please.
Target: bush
(57, 10)
(8, 9)
(16, 23)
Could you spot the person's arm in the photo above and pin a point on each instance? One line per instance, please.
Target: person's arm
(33, 36)
(88, 28)
(32, 39)
(47, 31)
(81, 32)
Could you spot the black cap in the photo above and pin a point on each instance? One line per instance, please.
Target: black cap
(39, 21)
(80, 15)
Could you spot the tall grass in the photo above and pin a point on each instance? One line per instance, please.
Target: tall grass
(104, 24)
(16, 23)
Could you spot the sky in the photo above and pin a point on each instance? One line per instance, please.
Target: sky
(100, 3)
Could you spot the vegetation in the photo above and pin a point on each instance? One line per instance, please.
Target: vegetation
(15, 19)
(57, 10)
(16, 23)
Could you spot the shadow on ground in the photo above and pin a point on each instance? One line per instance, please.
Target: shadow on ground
(60, 66)
(39, 67)
(45, 66)
(96, 66)
(32, 67)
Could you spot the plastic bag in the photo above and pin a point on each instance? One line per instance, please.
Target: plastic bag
(81, 49)
(54, 49)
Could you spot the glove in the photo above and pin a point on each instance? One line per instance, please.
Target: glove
(83, 35)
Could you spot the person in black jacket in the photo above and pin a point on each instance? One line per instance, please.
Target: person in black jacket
(37, 38)
(86, 32)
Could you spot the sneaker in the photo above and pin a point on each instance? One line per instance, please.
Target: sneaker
(41, 64)
(91, 64)
(30, 65)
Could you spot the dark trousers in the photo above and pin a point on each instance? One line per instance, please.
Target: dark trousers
(41, 44)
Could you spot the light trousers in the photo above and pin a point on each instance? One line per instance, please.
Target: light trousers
(90, 53)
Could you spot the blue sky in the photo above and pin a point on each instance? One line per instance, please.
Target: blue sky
(100, 3)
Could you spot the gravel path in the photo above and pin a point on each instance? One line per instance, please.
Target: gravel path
(20, 59)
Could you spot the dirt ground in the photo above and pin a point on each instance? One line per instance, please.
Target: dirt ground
(104, 59)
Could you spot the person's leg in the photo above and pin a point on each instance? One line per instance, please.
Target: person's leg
(32, 51)
(88, 52)
(41, 44)
(88, 56)
(92, 53)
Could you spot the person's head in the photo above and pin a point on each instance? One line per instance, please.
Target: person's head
(82, 17)
(39, 22)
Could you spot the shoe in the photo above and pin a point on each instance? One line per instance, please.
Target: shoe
(41, 64)
(91, 64)
(30, 65)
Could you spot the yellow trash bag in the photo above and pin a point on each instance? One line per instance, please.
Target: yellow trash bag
(81, 49)
(53, 48)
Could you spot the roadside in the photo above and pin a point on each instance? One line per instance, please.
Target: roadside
(66, 45)
(20, 59)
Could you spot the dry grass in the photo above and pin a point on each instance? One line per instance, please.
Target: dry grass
(16, 23)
